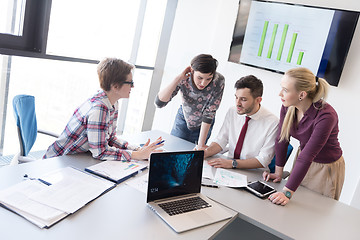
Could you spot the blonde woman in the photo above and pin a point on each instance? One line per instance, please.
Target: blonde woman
(306, 116)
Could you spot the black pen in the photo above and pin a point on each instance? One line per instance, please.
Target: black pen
(209, 185)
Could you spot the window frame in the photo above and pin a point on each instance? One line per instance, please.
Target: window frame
(35, 17)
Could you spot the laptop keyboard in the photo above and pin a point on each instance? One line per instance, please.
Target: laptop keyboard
(184, 205)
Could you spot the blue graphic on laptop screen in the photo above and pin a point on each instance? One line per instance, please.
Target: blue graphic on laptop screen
(175, 175)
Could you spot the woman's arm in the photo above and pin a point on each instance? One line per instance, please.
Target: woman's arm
(322, 129)
(213, 149)
(204, 130)
(166, 94)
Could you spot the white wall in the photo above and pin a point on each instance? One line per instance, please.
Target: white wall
(206, 26)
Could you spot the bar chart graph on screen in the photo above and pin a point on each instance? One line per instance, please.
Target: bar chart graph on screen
(279, 39)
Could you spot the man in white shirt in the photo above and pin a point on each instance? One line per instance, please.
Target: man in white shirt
(259, 142)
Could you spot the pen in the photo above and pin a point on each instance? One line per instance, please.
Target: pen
(39, 179)
(160, 142)
(209, 185)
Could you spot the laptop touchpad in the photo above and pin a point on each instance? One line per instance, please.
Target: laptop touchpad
(200, 217)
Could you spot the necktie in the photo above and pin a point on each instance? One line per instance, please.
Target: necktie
(241, 139)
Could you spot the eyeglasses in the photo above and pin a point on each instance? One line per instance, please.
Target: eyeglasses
(131, 83)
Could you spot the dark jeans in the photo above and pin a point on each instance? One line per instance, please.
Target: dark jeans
(180, 129)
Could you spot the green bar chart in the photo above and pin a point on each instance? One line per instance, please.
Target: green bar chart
(299, 61)
(273, 41)
(273, 36)
(292, 46)
(284, 37)
(263, 35)
(282, 43)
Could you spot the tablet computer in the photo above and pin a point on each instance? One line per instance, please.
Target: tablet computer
(260, 189)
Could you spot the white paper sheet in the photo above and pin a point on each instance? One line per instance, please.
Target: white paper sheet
(17, 198)
(208, 171)
(230, 178)
(139, 183)
(73, 191)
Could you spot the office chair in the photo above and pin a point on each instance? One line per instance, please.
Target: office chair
(272, 163)
(25, 117)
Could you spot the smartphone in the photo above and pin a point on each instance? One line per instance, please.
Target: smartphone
(260, 189)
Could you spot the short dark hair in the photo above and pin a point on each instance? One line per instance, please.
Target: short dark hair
(204, 63)
(113, 71)
(253, 83)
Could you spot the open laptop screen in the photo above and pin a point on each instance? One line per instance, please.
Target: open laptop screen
(174, 174)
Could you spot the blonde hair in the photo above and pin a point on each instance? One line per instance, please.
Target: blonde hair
(316, 89)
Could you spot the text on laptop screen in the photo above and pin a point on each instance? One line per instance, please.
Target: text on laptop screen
(174, 174)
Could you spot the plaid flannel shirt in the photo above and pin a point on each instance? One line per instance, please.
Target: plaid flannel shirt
(92, 128)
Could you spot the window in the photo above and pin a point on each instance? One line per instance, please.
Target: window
(12, 16)
(151, 30)
(23, 26)
(55, 58)
(59, 88)
(92, 29)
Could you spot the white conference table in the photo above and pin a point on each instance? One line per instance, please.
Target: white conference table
(308, 215)
(122, 213)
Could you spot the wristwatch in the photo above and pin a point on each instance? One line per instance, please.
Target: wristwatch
(287, 194)
(234, 164)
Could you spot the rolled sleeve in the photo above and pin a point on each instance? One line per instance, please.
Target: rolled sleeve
(207, 120)
(159, 103)
(267, 152)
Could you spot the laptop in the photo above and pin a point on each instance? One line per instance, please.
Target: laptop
(174, 191)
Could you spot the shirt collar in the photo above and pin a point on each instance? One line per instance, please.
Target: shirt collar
(104, 98)
(258, 114)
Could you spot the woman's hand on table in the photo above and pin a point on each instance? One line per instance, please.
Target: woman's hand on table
(279, 198)
(275, 176)
(145, 151)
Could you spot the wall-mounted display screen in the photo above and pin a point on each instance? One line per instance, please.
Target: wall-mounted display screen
(278, 36)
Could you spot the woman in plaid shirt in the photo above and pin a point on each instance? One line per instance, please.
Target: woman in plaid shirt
(93, 125)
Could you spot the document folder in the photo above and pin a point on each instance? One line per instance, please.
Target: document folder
(46, 204)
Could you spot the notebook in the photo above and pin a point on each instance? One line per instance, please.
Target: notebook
(175, 181)
(116, 171)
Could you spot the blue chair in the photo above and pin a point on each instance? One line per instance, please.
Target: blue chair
(25, 117)
(272, 163)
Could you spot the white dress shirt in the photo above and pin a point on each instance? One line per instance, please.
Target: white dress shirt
(260, 136)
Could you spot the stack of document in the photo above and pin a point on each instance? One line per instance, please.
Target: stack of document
(47, 200)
